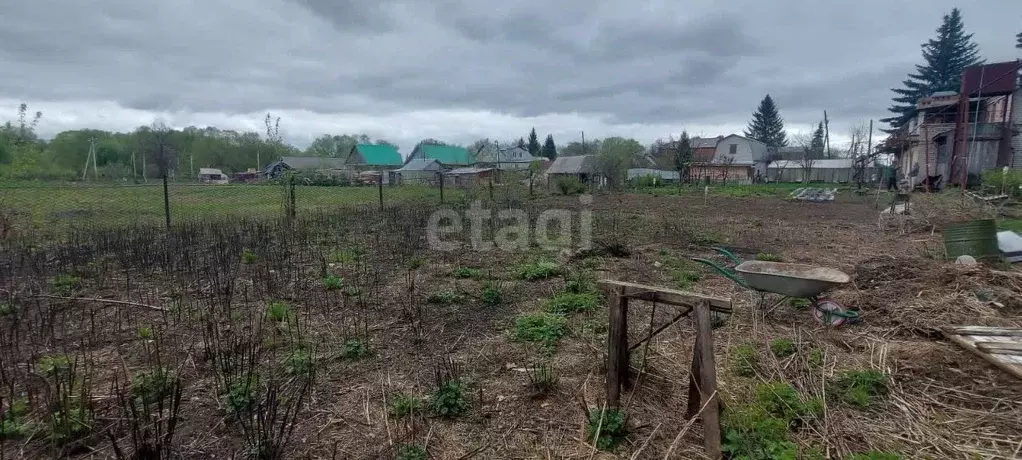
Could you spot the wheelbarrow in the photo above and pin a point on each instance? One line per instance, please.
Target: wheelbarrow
(791, 281)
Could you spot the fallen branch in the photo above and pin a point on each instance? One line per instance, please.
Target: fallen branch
(110, 301)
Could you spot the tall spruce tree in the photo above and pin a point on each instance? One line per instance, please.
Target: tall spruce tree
(767, 126)
(817, 144)
(533, 143)
(683, 156)
(945, 57)
(520, 143)
(549, 150)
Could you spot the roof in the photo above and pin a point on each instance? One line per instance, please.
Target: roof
(663, 174)
(461, 171)
(579, 164)
(420, 164)
(209, 171)
(446, 154)
(313, 162)
(834, 163)
(378, 154)
(513, 155)
(703, 142)
(760, 150)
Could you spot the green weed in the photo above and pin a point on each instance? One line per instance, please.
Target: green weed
(874, 455)
(537, 271)
(13, 423)
(52, 366)
(781, 400)
(745, 360)
(861, 389)
(567, 303)
(354, 350)
(768, 257)
(545, 329)
(491, 295)
(751, 433)
(347, 256)
(580, 283)
(607, 428)
(151, 386)
(404, 405)
(411, 452)
(414, 263)
(241, 395)
(782, 348)
(8, 309)
(299, 362)
(333, 282)
(145, 333)
(444, 298)
(815, 357)
(71, 423)
(248, 256)
(278, 312)
(800, 303)
(467, 272)
(65, 285)
(448, 400)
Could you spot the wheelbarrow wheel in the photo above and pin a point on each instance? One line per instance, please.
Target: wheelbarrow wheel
(829, 313)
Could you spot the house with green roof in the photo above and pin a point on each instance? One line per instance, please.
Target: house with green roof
(374, 156)
(448, 155)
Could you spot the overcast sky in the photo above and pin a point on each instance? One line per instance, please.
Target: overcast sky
(462, 70)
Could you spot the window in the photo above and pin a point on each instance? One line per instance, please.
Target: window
(733, 149)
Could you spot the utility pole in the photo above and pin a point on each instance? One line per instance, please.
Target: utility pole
(826, 132)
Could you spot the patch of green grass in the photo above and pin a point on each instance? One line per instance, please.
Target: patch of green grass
(781, 400)
(751, 433)
(874, 455)
(683, 272)
(278, 312)
(52, 366)
(347, 256)
(449, 400)
(545, 329)
(744, 360)
(860, 389)
(568, 303)
(70, 423)
(149, 387)
(782, 348)
(815, 357)
(248, 256)
(537, 271)
(415, 263)
(411, 452)
(800, 303)
(299, 361)
(65, 285)
(444, 298)
(145, 333)
(606, 428)
(1014, 225)
(241, 395)
(8, 309)
(333, 282)
(13, 423)
(491, 295)
(468, 272)
(404, 405)
(581, 282)
(354, 350)
(768, 257)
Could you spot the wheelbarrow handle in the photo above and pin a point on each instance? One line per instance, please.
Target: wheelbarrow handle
(730, 274)
(728, 254)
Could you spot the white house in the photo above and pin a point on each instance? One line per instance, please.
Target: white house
(740, 150)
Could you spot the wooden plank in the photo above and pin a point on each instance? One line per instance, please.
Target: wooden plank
(694, 400)
(708, 381)
(1007, 348)
(623, 363)
(613, 349)
(989, 331)
(668, 296)
(967, 344)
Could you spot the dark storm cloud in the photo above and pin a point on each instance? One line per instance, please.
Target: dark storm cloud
(619, 61)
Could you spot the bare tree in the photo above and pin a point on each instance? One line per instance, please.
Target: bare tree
(809, 154)
(776, 159)
(726, 161)
(159, 146)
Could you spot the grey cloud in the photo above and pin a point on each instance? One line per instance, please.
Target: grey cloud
(621, 61)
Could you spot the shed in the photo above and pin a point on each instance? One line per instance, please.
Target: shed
(212, 176)
(582, 167)
(467, 177)
(374, 156)
(419, 171)
(447, 155)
